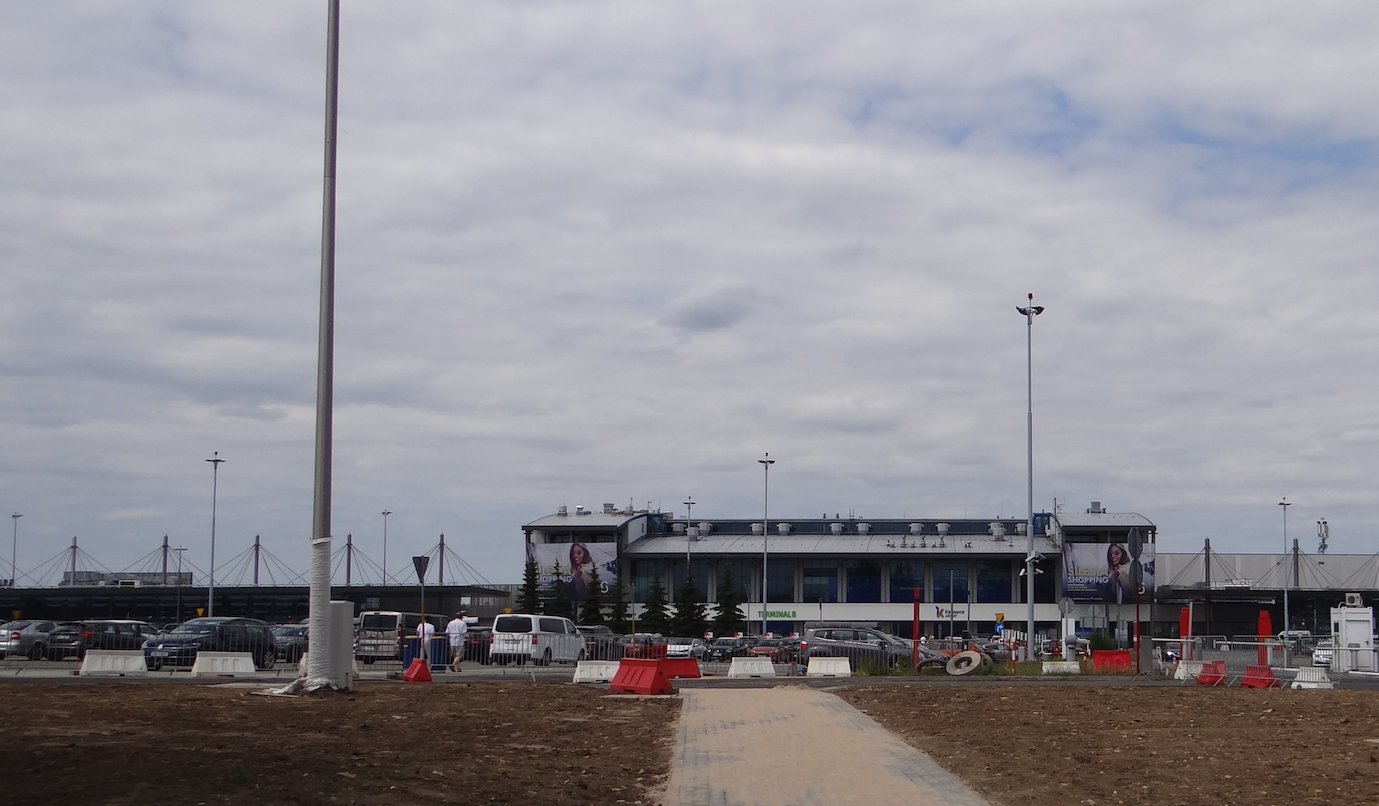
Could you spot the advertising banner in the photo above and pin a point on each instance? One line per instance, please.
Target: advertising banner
(576, 563)
(1100, 572)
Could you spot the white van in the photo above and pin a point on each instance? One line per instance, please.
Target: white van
(382, 633)
(521, 637)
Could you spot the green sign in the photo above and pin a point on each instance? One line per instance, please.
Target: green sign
(776, 614)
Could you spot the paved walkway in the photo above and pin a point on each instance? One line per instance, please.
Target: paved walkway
(797, 746)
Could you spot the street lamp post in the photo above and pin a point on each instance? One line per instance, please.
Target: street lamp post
(386, 513)
(215, 484)
(179, 551)
(14, 553)
(1030, 311)
(689, 510)
(1287, 556)
(765, 533)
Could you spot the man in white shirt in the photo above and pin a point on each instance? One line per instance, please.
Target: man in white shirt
(455, 630)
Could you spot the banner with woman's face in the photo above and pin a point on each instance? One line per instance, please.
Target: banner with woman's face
(1100, 572)
(576, 562)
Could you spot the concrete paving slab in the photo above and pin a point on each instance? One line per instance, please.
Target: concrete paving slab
(797, 746)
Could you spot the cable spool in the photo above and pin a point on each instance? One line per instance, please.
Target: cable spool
(963, 663)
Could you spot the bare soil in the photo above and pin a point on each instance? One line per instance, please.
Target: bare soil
(383, 744)
(1046, 745)
(530, 743)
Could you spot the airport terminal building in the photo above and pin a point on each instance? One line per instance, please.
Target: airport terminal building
(965, 575)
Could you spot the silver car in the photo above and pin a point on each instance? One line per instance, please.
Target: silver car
(25, 638)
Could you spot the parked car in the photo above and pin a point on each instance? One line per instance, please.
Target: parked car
(773, 648)
(600, 642)
(292, 641)
(476, 644)
(723, 650)
(25, 638)
(865, 643)
(543, 640)
(1323, 652)
(638, 644)
(218, 634)
(695, 648)
(72, 639)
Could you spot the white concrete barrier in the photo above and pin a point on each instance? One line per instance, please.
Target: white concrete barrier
(751, 667)
(114, 661)
(829, 667)
(1312, 677)
(1062, 667)
(596, 671)
(1188, 669)
(234, 664)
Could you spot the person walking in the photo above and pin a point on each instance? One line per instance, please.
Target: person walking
(455, 630)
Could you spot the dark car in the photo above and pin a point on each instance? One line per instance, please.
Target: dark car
(600, 642)
(291, 640)
(476, 644)
(218, 634)
(723, 650)
(864, 644)
(72, 639)
(640, 645)
(26, 638)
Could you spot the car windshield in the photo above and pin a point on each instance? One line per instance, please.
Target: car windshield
(680, 641)
(288, 631)
(376, 621)
(725, 642)
(193, 628)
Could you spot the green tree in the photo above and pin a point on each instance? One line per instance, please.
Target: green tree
(654, 617)
(591, 609)
(529, 595)
(618, 617)
(559, 602)
(729, 618)
(688, 617)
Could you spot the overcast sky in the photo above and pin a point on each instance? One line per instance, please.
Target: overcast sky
(617, 251)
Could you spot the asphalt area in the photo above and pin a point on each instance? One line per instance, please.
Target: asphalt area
(537, 743)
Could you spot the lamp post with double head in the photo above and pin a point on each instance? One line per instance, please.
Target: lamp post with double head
(215, 485)
(689, 514)
(386, 513)
(1287, 557)
(765, 533)
(14, 553)
(1029, 312)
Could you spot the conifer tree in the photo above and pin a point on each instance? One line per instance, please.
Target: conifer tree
(618, 617)
(559, 602)
(689, 618)
(529, 595)
(654, 617)
(591, 609)
(729, 619)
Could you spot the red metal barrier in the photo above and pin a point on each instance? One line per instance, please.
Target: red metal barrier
(1259, 677)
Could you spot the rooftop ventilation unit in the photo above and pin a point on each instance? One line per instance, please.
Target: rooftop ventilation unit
(1095, 509)
(916, 528)
(836, 527)
(863, 528)
(783, 528)
(608, 509)
(563, 511)
(757, 527)
(942, 528)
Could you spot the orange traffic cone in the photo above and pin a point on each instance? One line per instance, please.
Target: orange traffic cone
(418, 672)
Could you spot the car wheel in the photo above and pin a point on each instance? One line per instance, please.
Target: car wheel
(368, 661)
(36, 652)
(266, 661)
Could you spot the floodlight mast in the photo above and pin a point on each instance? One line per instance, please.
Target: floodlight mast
(1030, 311)
(319, 663)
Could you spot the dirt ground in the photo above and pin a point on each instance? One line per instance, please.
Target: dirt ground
(1044, 745)
(526, 743)
(473, 743)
